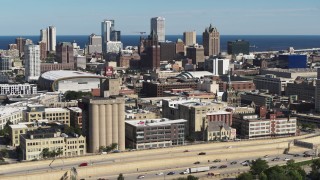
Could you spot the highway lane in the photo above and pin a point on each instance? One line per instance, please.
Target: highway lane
(231, 169)
(214, 150)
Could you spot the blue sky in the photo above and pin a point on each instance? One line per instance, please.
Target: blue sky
(231, 17)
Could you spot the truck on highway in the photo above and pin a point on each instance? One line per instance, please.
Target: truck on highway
(197, 169)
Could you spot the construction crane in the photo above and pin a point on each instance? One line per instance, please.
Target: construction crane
(141, 32)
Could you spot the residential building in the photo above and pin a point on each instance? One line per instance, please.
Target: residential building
(158, 26)
(155, 133)
(18, 89)
(60, 115)
(43, 50)
(33, 142)
(103, 122)
(238, 47)
(32, 62)
(21, 42)
(275, 85)
(211, 41)
(34, 112)
(190, 38)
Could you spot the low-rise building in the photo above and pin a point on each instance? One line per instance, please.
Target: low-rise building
(219, 131)
(18, 89)
(58, 114)
(22, 128)
(11, 114)
(134, 114)
(275, 85)
(75, 117)
(251, 126)
(155, 133)
(33, 142)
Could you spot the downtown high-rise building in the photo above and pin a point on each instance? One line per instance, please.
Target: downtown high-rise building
(32, 62)
(211, 41)
(109, 34)
(158, 27)
(189, 38)
(49, 36)
(95, 43)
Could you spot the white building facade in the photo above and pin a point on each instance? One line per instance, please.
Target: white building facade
(158, 26)
(32, 62)
(18, 89)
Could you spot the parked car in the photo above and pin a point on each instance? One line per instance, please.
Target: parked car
(217, 160)
(233, 162)
(171, 173)
(197, 162)
(83, 164)
(223, 166)
(202, 153)
(140, 177)
(276, 159)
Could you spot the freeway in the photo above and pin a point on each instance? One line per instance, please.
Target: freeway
(156, 160)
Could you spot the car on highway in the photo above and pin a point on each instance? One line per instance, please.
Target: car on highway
(233, 162)
(223, 166)
(217, 160)
(83, 164)
(171, 173)
(116, 151)
(159, 174)
(197, 162)
(266, 156)
(140, 177)
(202, 153)
(186, 151)
(286, 159)
(213, 167)
(306, 155)
(184, 172)
(296, 155)
(276, 159)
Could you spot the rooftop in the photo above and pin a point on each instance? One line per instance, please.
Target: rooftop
(55, 110)
(54, 75)
(6, 111)
(154, 122)
(75, 109)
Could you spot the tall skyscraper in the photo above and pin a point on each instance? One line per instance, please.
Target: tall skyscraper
(32, 62)
(189, 38)
(20, 45)
(158, 26)
(106, 27)
(95, 43)
(317, 99)
(211, 41)
(65, 53)
(49, 36)
(104, 122)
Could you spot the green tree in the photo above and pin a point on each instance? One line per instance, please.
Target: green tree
(276, 172)
(19, 153)
(190, 177)
(263, 176)
(258, 166)
(292, 168)
(245, 176)
(45, 153)
(120, 177)
(315, 170)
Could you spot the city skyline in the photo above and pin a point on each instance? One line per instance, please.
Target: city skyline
(247, 17)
